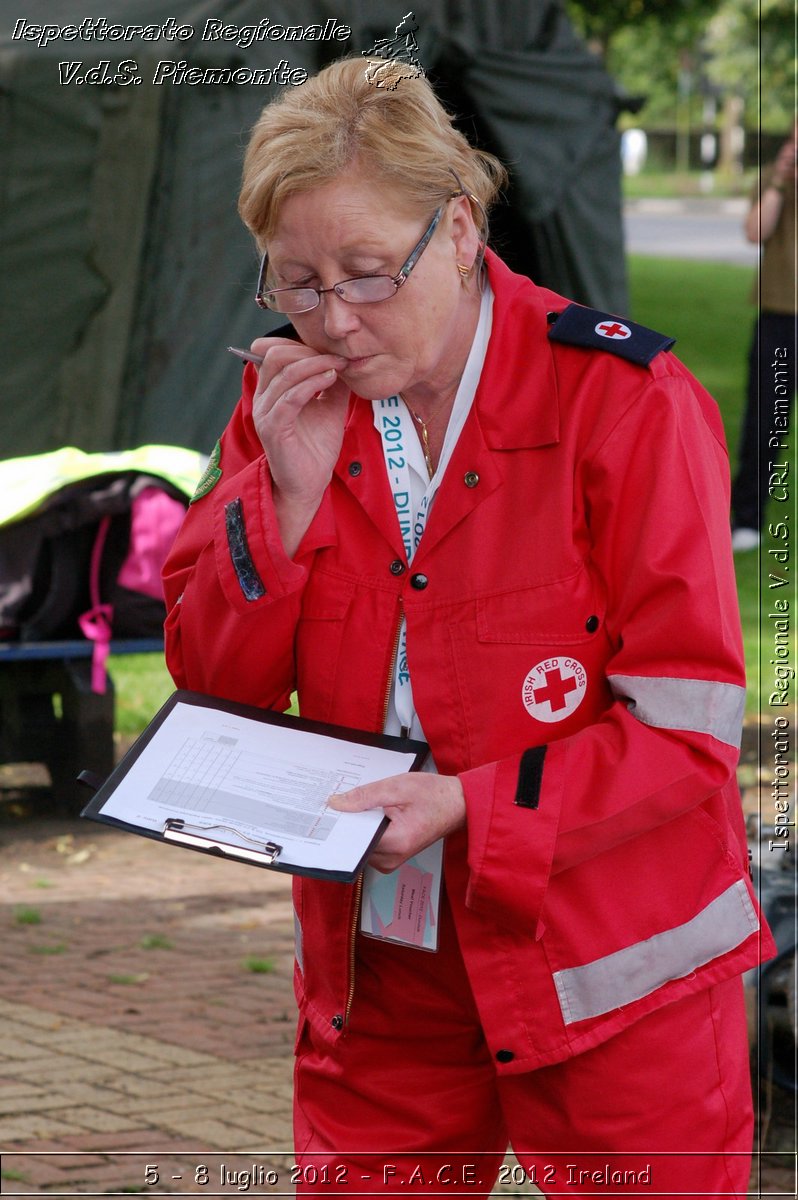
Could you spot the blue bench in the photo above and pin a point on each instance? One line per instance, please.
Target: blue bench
(49, 713)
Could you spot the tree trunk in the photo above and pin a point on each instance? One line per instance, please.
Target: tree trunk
(732, 137)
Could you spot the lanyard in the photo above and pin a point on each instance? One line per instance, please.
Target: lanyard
(403, 459)
(413, 491)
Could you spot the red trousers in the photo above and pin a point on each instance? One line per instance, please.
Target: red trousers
(409, 1101)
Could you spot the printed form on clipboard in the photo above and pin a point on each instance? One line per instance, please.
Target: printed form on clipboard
(253, 785)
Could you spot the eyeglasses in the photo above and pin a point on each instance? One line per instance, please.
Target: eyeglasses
(366, 289)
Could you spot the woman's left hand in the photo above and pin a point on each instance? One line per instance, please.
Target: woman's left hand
(421, 808)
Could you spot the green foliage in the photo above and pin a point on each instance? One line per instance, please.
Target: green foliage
(258, 966)
(676, 52)
(750, 52)
(156, 941)
(23, 915)
(602, 20)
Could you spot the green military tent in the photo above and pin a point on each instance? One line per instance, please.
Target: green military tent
(125, 271)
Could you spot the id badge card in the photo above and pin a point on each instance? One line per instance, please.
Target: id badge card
(403, 905)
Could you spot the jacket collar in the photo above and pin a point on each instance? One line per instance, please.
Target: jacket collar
(517, 400)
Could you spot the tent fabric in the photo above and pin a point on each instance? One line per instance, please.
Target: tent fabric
(125, 269)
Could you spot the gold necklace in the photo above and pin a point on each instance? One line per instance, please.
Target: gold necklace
(422, 425)
(424, 442)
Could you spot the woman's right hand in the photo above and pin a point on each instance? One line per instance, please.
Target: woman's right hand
(299, 410)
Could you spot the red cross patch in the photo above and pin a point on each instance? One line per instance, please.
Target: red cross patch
(554, 688)
(613, 329)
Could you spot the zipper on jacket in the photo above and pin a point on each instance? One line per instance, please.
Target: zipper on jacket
(352, 936)
(394, 648)
(359, 882)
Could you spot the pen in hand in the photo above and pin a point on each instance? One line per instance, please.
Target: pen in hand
(247, 355)
(257, 359)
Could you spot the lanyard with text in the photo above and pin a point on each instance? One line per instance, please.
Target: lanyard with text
(403, 905)
(403, 457)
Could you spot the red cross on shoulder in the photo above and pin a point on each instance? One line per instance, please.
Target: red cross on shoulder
(613, 329)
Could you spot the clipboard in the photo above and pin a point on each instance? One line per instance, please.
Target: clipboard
(249, 784)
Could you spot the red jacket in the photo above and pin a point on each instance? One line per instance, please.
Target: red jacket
(574, 645)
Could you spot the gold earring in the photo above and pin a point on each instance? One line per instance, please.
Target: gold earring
(464, 271)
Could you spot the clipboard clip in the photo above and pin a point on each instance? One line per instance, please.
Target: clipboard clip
(175, 829)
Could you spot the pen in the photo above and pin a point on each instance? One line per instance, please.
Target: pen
(247, 355)
(257, 359)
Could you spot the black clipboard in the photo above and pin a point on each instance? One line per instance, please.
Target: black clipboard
(208, 838)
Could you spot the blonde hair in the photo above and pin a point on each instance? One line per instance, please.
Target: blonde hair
(399, 135)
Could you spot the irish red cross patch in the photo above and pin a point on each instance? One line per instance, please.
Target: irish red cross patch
(554, 688)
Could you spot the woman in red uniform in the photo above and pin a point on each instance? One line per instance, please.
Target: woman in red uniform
(460, 508)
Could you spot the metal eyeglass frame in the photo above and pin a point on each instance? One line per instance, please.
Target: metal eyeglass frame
(397, 280)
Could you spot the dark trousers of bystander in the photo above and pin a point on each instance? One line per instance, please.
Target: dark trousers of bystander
(764, 434)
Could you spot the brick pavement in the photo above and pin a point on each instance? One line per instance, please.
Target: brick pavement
(134, 1032)
(133, 1028)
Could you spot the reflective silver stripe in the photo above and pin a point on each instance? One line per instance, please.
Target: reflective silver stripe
(699, 705)
(636, 971)
(298, 943)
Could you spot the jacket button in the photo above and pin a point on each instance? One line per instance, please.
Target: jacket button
(337, 1022)
(397, 567)
(551, 317)
(419, 582)
(355, 468)
(592, 624)
(471, 479)
(504, 1056)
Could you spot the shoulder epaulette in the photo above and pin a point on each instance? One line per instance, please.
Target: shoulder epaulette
(587, 327)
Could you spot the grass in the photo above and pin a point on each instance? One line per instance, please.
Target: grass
(658, 185)
(257, 965)
(156, 941)
(23, 915)
(705, 307)
(142, 685)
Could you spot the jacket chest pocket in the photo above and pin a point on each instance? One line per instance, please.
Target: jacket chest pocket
(320, 633)
(531, 668)
(568, 611)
